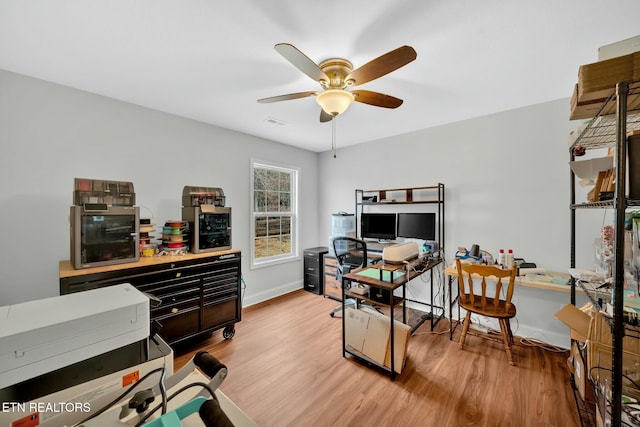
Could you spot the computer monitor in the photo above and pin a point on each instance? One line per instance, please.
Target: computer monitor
(417, 225)
(378, 226)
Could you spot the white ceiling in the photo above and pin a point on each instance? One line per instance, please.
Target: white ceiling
(211, 60)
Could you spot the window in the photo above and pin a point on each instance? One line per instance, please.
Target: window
(274, 219)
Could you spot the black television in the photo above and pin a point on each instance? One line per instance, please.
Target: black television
(378, 226)
(417, 225)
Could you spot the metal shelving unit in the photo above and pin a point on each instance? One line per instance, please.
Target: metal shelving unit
(619, 114)
(427, 195)
(433, 194)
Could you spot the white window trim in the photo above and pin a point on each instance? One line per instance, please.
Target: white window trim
(295, 253)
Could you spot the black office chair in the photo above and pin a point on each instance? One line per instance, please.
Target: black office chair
(350, 253)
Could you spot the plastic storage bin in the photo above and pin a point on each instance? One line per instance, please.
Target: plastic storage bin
(342, 224)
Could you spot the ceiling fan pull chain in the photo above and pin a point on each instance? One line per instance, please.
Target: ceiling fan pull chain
(333, 135)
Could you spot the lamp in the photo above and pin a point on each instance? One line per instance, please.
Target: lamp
(334, 101)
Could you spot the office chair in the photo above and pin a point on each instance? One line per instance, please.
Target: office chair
(483, 304)
(350, 253)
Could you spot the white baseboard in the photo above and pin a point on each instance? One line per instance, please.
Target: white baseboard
(558, 338)
(553, 338)
(271, 293)
(547, 336)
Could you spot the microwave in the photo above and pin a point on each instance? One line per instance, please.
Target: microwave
(104, 235)
(210, 227)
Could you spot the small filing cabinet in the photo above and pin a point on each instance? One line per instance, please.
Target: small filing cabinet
(313, 271)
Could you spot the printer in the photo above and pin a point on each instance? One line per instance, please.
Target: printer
(40, 336)
(77, 358)
(401, 252)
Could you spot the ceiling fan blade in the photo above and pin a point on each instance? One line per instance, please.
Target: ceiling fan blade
(325, 117)
(286, 97)
(302, 62)
(382, 65)
(376, 98)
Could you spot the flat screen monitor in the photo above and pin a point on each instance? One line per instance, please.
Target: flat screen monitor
(378, 226)
(417, 225)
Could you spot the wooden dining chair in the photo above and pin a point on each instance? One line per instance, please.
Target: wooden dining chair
(478, 301)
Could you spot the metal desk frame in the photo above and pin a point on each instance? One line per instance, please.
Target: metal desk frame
(391, 286)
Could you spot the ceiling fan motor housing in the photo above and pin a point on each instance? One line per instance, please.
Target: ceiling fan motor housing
(337, 69)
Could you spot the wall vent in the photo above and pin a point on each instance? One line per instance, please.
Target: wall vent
(273, 121)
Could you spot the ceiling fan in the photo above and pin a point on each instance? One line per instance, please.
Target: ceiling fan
(337, 74)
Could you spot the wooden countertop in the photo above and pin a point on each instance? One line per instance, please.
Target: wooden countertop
(522, 281)
(67, 270)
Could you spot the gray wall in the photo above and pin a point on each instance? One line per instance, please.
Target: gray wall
(506, 181)
(50, 134)
(506, 178)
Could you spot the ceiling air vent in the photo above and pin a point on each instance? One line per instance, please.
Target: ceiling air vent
(273, 121)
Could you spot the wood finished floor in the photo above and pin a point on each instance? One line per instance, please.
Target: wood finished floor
(286, 369)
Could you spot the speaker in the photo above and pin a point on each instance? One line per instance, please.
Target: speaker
(475, 251)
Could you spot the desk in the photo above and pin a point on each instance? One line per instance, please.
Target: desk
(388, 277)
(452, 274)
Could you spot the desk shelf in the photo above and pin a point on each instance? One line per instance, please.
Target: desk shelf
(426, 195)
(396, 300)
(409, 195)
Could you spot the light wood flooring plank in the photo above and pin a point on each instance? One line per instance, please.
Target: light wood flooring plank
(286, 369)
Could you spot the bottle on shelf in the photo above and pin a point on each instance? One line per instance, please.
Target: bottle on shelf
(501, 258)
(509, 259)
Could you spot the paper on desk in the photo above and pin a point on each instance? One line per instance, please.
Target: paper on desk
(546, 278)
(374, 273)
(586, 275)
(587, 170)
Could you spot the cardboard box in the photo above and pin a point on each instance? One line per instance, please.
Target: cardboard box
(586, 109)
(580, 375)
(376, 340)
(598, 80)
(599, 365)
(401, 333)
(600, 332)
(368, 332)
(356, 324)
(599, 419)
(600, 354)
(577, 320)
(593, 328)
(590, 108)
(589, 325)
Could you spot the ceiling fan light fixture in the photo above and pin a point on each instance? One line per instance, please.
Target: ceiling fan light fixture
(335, 101)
